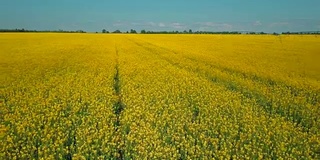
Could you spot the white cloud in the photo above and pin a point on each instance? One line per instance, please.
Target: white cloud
(177, 25)
(151, 24)
(279, 24)
(210, 24)
(161, 25)
(214, 26)
(257, 23)
(118, 23)
(136, 24)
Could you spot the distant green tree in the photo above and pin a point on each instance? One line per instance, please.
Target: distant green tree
(104, 31)
(117, 31)
(133, 31)
(80, 31)
(143, 31)
(190, 31)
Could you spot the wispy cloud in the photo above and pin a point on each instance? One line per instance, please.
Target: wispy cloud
(276, 26)
(153, 24)
(126, 24)
(161, 24)
(279, 24)
(213, 26)
(177, 25)
(118, 23)
(257, 23)
(136, 24)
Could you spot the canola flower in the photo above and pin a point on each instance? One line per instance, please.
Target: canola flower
(91, 96)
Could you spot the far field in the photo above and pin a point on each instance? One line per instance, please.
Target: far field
(127, 96)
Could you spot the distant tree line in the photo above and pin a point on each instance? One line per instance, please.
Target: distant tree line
(118, 31)
(307, 32)
(55, 31)
(132, 31)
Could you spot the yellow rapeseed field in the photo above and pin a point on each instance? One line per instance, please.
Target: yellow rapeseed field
(130, 96)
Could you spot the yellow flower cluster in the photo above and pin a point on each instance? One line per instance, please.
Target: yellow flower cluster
(93, 96)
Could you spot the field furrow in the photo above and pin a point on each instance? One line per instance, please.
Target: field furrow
(130, 96)
(297, 106)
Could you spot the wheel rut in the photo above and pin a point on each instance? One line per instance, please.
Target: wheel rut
(294, 116)
(118, 108)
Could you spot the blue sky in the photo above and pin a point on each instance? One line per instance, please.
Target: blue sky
(206, 15)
